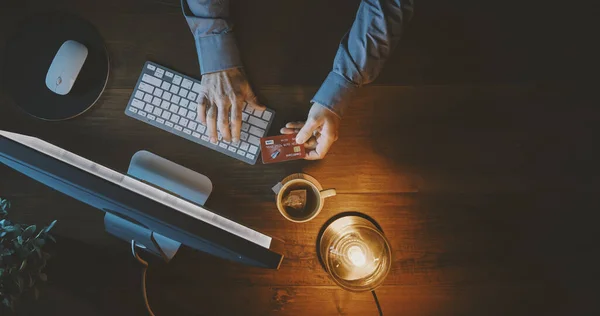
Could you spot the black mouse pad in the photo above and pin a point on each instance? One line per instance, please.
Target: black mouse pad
(29, 53)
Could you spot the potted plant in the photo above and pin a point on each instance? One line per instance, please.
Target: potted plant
(22, 259)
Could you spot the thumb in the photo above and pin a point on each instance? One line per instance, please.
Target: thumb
(307, 131)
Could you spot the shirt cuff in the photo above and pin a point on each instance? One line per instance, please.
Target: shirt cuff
(335, 93)
(217, 53)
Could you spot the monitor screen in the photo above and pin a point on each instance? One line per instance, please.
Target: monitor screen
(169, 215)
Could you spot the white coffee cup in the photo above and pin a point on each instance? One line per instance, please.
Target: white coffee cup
(315, 197)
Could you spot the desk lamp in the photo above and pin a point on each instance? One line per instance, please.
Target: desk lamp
(355, 253)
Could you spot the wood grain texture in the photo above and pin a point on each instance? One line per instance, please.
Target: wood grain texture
(474, 151)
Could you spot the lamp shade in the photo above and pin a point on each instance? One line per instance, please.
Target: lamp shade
(355, 253)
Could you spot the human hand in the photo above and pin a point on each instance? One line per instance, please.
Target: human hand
(318, 133)
(220, 106)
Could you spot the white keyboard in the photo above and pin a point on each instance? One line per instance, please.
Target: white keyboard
(168, 100)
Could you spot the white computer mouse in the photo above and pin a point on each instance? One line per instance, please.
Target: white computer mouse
(65, 67)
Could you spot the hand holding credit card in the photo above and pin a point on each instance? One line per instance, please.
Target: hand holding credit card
(281, 148)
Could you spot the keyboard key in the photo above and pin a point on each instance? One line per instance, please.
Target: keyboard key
(244, 146)
(192, 125)
(232, 149)
(192, 96)
(169, 74)
(166, 115)
(250, 156)
(245, 117)
(182, 111)
(186, 83)
(157, 112)
(191, 115)
(175, 99)
(248, 109)
(179, 128)
(156, 101)
(258, 113)
(197, 88)
(183, 121)
(184, 102)
(151, 80)
(193, 106)
(148, 97)
(166, 86)
(138, 104)
(132, 109)
(196, 135)
(187, 131)
(267, 115)
(158, 92)
(139, 94)
(257, 131)
(169, 124)
(161, 121)
(174, 118)
(223, 145)
(159, 71)
(177, 80)
(241, 152)
(201, 128)
(245, 127)
(167, 95)
(254, 140)
(151, 67)
(253, 149)
(204, 138)
(174, 108)
(258, 122)
(174, 89)
(165, 105)
(142, 113)
(183, 93)
(152, 117)
(146, 87)
(149, 108)
(244, 136)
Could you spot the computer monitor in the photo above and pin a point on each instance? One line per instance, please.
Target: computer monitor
(157, 210)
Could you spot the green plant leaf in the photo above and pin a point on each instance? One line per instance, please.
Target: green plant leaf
(36, 293)
(23, 265)
(29, 231)
(39, 242)
(43, 277)
(47, 229)
(51, 238)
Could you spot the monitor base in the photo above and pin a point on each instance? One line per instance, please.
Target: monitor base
(170, 177)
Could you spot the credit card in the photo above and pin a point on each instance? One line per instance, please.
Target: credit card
(281, 148)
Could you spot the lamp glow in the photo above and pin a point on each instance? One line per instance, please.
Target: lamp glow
(355, 253)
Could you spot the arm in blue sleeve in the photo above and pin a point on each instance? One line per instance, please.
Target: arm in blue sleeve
(215, 43)
(363, 50)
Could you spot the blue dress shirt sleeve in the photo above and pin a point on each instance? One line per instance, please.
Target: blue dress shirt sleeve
(213, 34)
(363, 50)
(359, 59)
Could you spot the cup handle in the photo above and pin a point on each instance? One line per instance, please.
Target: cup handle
(328, 193)
(277, 188)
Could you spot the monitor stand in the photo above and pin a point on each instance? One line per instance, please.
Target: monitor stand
(166, 175)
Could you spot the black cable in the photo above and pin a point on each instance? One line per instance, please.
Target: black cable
(145, 264)
(377, 303)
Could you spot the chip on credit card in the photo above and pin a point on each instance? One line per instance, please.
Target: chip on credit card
(281, 148)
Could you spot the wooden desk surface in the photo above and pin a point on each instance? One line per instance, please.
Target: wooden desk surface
(471, 152)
